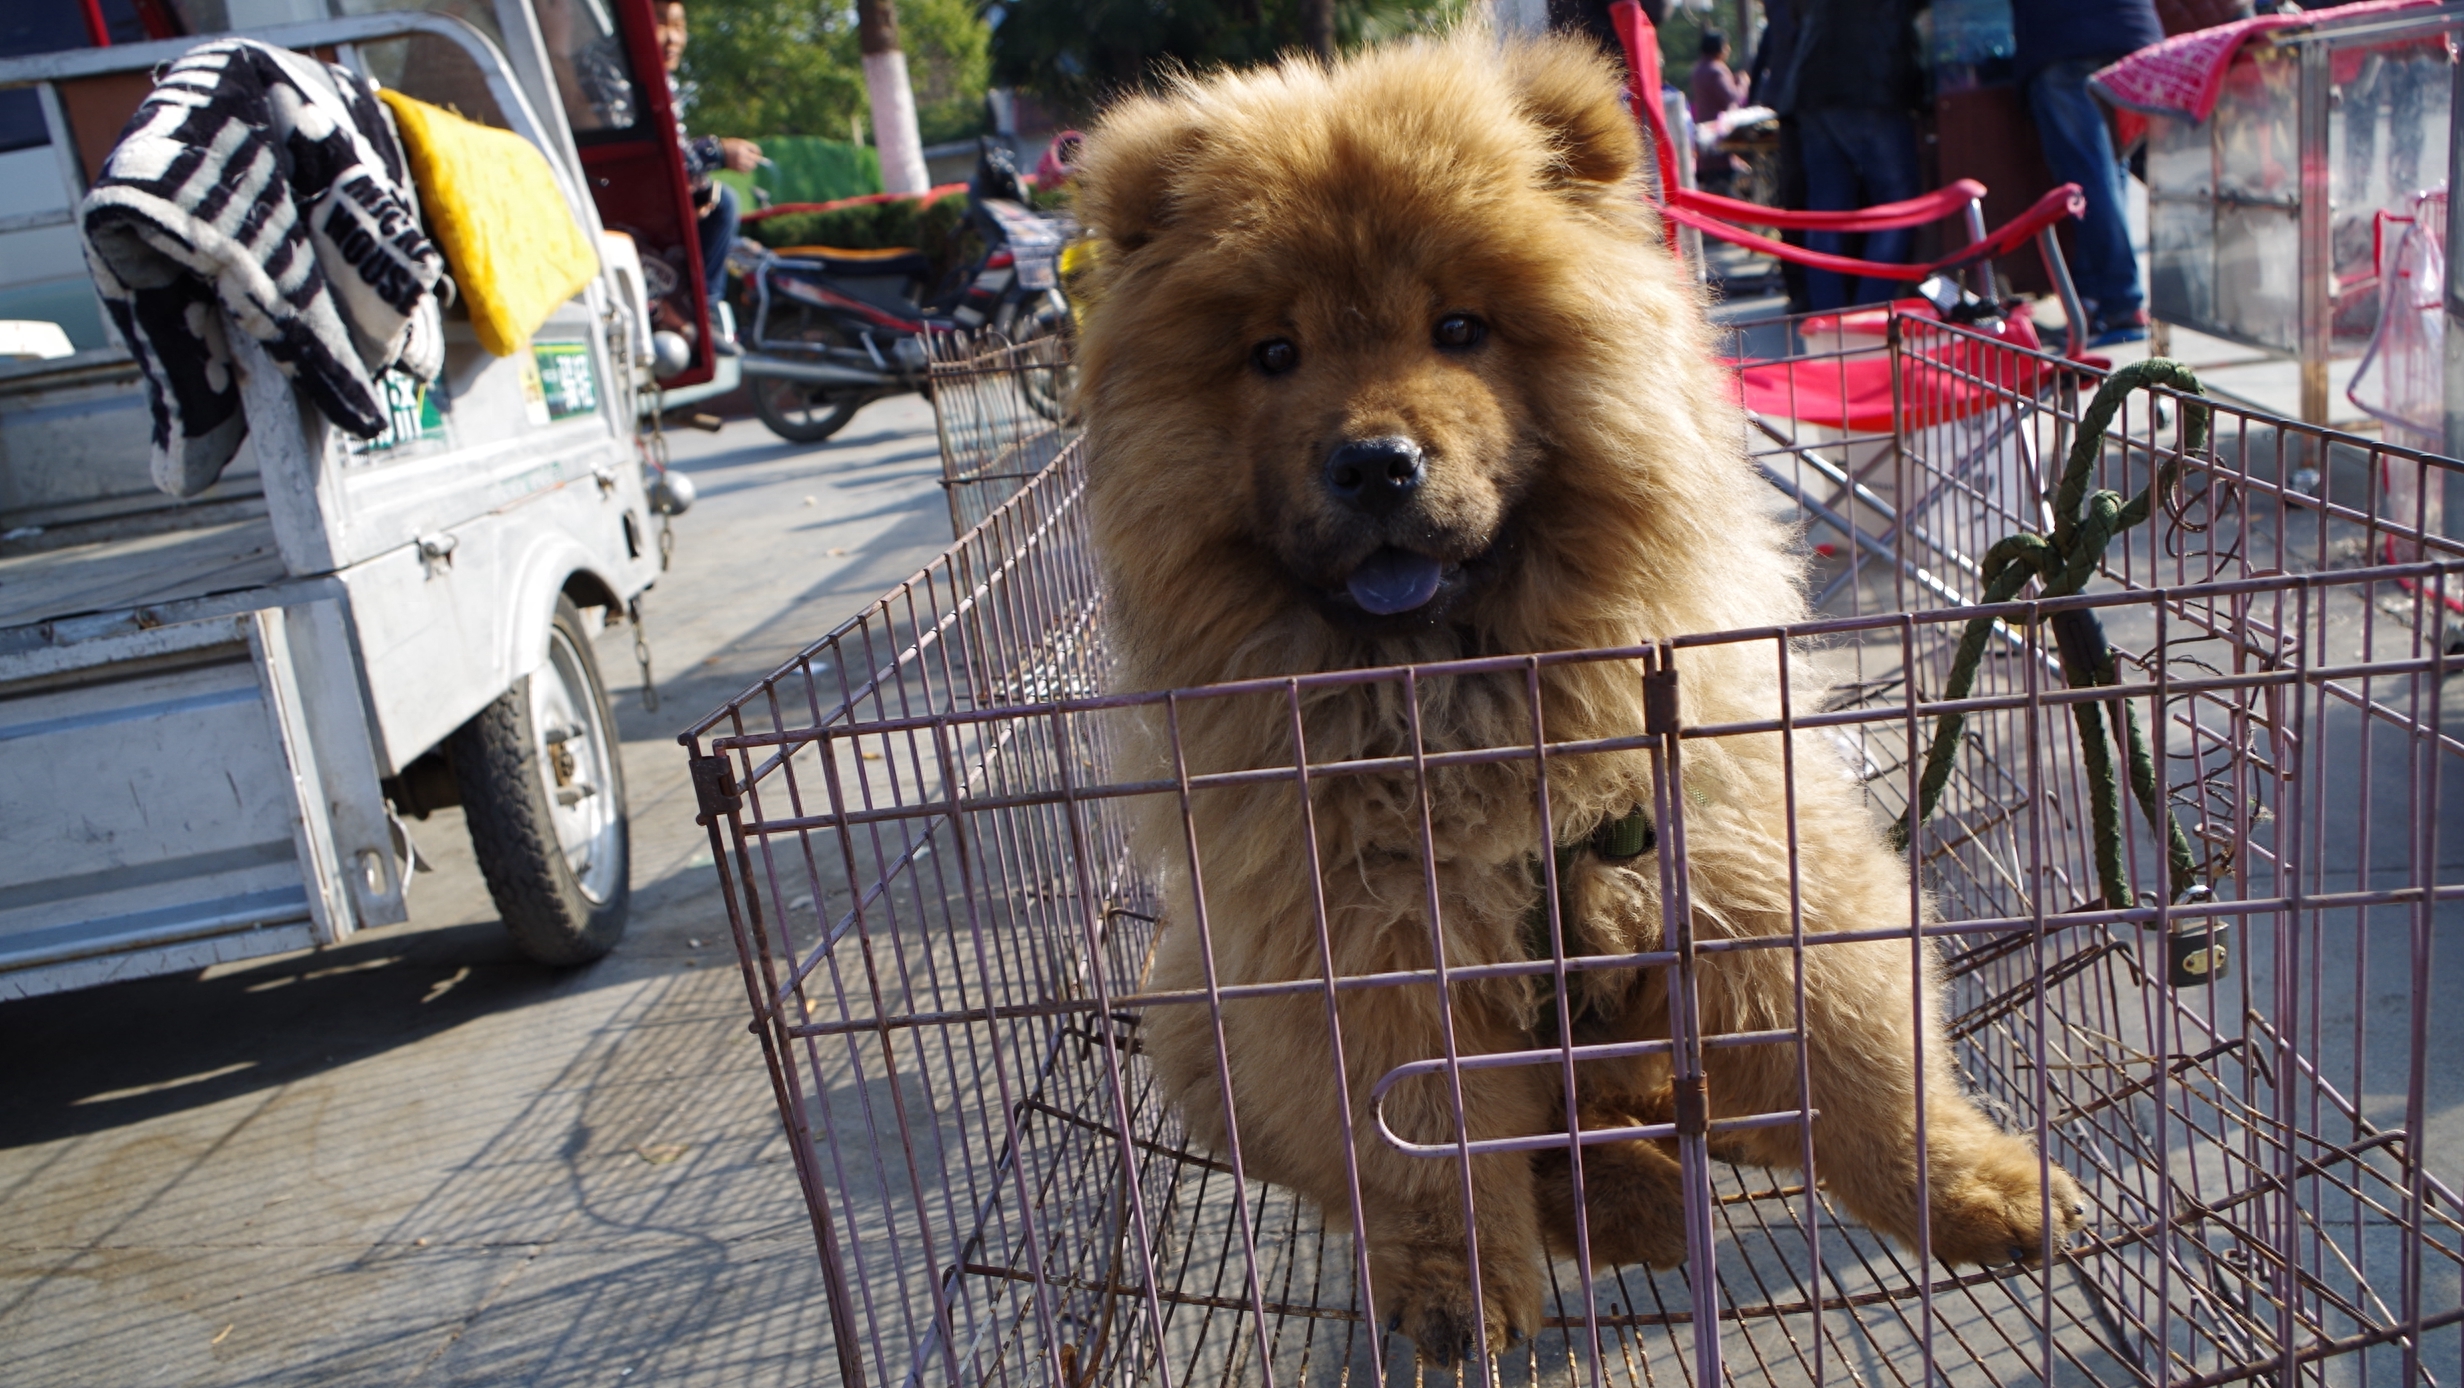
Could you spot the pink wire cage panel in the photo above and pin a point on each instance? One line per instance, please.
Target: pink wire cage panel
(921, 831)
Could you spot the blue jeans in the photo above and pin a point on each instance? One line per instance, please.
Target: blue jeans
(718, 233)
(2079, 149)
(1856, 158)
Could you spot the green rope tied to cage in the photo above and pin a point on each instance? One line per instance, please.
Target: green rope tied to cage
(2062, 563)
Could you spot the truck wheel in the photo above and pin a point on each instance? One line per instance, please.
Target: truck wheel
(800, 413)
(544, 791)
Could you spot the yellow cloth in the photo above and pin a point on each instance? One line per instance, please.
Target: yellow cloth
(492, 202)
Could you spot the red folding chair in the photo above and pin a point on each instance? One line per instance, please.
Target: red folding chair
(1731, 220)
(1908, 437)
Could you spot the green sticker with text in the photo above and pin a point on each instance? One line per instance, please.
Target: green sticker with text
(566, 374)
(411, 415)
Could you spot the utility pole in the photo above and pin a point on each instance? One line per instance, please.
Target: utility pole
(885, 79)
(1317, 27)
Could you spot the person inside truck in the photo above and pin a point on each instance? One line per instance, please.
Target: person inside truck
(714, 203)
(588, 61)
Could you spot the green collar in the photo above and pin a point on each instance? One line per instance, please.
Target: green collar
(1615, 841)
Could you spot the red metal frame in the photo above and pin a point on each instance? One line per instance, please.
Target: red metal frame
(638, 180)
(2056, 206)
(927, 198)
(1717, 216)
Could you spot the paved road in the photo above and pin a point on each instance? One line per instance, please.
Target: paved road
(420, 1159)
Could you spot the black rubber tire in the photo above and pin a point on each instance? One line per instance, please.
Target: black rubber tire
(505, 798)
(804, 414)
(1046, 392)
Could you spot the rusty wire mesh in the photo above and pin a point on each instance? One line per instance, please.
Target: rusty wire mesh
(1002, 413)
(922, 830)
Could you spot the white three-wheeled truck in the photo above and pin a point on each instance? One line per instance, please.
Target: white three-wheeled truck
(214, 712)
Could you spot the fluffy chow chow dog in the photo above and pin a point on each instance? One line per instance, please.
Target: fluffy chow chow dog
(1386, 364)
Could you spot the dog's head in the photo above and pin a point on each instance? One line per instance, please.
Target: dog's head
(1344, 320)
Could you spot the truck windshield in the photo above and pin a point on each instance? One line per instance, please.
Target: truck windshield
(594, 80)
(592, 77)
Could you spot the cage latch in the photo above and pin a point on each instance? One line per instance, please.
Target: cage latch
(2195, 950)
(1693, 1095)
(714, 789)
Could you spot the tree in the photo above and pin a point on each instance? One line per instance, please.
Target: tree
(794, 67)
(770, 67)
(885, 76)
(1317, 27)
(1075, 54)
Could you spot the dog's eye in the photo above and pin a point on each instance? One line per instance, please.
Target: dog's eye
(1275, 356)
(1459, 330)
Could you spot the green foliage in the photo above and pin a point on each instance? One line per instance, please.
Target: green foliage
(949, 63)
(936, 229)
(1077, 53)
(1681, 37)
(771, 67)
(791, 67)
(808, 168)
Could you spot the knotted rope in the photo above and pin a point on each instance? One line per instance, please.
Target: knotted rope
(2063, 563)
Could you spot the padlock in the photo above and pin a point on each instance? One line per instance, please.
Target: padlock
(2197, 956)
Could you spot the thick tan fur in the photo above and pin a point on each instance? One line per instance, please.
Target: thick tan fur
(1584, 466)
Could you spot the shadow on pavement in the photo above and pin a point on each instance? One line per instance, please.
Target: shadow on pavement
(102, 1058)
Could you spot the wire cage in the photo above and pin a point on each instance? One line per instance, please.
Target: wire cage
(1002, 414)
(923, 826)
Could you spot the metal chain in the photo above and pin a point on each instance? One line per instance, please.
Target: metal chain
(654, 449)
(641, 655)
(652, 445)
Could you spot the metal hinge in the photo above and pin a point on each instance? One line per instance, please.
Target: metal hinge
(714, 788)
(1660, 714)
(1693, 1095)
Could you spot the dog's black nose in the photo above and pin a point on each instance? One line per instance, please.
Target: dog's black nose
(1374, 475)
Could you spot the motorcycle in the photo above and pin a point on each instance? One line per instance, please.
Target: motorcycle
(835, 330)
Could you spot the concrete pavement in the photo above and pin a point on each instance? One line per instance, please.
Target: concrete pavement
(418, 1158)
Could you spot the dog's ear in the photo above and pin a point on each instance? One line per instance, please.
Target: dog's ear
(1132, 168)
(1570, 91)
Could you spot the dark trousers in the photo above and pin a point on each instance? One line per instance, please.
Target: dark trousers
(718, 233)
(1855, 158)
(2079, 149)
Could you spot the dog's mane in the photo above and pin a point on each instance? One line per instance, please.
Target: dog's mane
(1645, 522)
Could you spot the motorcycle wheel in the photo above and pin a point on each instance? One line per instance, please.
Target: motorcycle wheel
(800, 413)
(1047, 392)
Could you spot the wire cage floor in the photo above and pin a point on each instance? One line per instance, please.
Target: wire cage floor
(922, 830)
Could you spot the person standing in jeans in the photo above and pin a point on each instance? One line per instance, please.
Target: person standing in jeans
(2059, 43)
(1850, 90)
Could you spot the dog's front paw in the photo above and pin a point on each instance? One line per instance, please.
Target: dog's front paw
(1426, 1294)
(1633, 1202)
(1993, 1209)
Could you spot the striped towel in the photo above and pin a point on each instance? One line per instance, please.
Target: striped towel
(2184, 75)
(268, 187)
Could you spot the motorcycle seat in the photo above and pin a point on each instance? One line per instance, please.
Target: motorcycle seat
(895, 260)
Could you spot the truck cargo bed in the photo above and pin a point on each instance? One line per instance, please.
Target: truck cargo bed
(104, 567)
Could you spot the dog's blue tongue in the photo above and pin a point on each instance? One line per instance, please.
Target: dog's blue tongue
(1394, 580)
